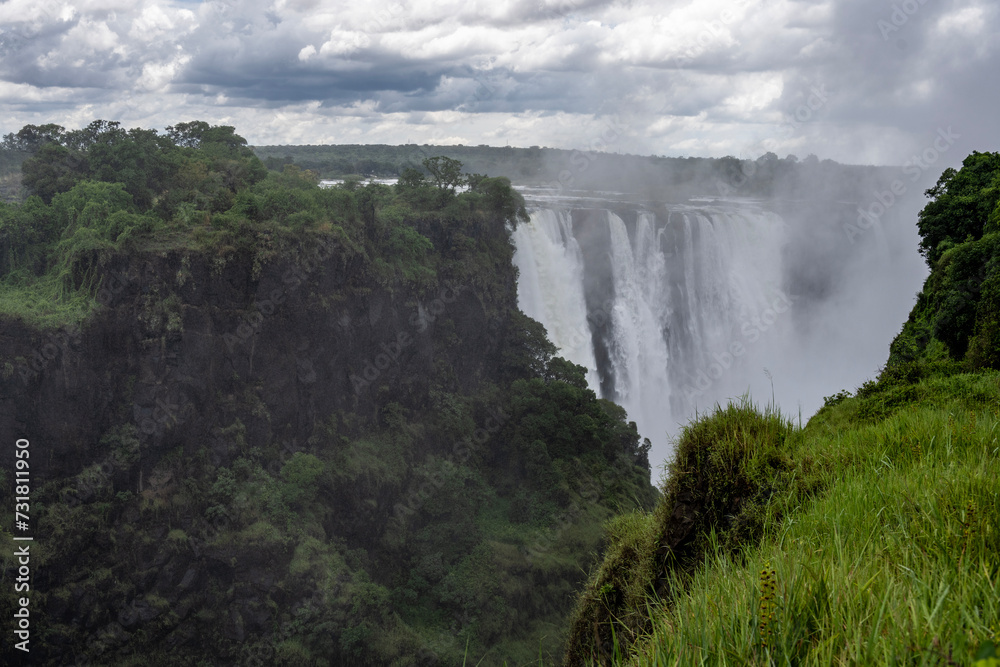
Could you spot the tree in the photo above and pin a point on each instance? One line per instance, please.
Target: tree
(409, 179)
(300, 478)
(30, 138)
(961, 203)
(53, 169)
(188, 135)
(528, 349)
(106, 131)
(474, 181)
(138, 159)
(502, 199)
(446, 172)
(102, 151)
(90, 204)
(984, 345)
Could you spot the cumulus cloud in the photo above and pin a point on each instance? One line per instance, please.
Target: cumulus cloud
(707, 77)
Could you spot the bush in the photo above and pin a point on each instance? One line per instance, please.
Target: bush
(300, 476)
(725, 471)
(984, 346)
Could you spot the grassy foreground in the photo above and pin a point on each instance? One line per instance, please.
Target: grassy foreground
(870, 536)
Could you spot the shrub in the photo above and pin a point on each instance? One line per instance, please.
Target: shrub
(300, 476)
(725, 471)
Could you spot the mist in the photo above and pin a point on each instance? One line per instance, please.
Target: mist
(778, 280)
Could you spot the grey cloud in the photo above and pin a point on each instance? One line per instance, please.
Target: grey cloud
(247, 54)
(872, 78)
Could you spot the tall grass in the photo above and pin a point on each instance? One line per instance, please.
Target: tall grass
(727, 471)
(895, 561)
(44, 302)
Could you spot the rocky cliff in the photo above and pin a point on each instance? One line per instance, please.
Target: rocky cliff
(264, 454)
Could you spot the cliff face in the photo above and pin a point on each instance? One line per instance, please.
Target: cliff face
(180, 354)
(275, 458)
(178, 344)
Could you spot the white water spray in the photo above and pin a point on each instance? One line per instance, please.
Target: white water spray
(692, 297)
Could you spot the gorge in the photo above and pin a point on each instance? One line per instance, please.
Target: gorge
(674, 308)
(274, 423)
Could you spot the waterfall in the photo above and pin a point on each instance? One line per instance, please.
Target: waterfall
(664, 309)
(639, 354)
(550, 287)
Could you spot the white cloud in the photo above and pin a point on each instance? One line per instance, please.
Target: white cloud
(701, 77)
(307, 52)
(966, 22)
(156, 76)
(89, 38)
(342, 42)
(752, 94)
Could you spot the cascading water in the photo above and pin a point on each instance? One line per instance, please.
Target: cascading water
(551, 285)
(638, 348)
(663, 309)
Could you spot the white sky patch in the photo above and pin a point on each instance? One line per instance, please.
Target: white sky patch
(752, 94)
(35, 13)
(442, 41)
(90, 37)
(307, 52)
(366, 17)
(157, 76)
(21, 93)
(537, 50)
(463, 11)
(966, 22)
(818, 48)
(816, 15)
(918, 91)
(343, 42)
(152, 23)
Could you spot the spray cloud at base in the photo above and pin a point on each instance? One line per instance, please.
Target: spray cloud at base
(675, 307)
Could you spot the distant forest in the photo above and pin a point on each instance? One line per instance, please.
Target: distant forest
(651, 176)
(660, 178)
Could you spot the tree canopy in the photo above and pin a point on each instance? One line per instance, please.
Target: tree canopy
(957, 315)
(192, 162)
(446, 172)
(962, 203)
(95, 189)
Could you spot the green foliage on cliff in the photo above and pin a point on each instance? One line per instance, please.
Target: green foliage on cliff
(954, 323)
(868, 537)
(104, 189)
(882, 537)
(878, 519)
(961, 206)
(380, 464)
(729, 479)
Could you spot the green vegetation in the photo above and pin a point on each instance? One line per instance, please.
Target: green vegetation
(966, 204)
(434, 515)
(104, 190)
(596, 168)
(882, 534)
(444, 517)
(869, 536)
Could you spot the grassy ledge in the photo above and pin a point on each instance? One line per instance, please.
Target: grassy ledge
(876, 542)
(868, 537)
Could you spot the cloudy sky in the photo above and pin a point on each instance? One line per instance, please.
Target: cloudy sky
(860, 81)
